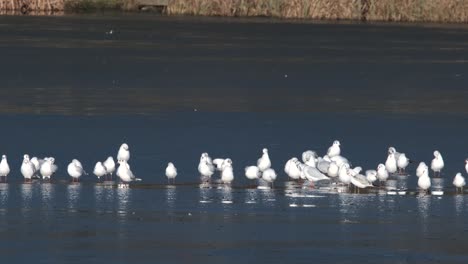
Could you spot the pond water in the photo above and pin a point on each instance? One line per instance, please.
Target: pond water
(174, 87)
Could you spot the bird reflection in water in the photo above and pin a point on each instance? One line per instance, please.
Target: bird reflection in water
(171, 196)
(459, 203)
(268, 196)
(225, 193)
(206, 193)
(73, 195)
(251, 196)
(124, 196)
(424, 202)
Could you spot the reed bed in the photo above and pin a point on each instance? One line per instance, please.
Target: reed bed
(376, 10)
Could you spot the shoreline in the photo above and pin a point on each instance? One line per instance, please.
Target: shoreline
(426, 11)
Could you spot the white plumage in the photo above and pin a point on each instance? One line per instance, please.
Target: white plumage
(264, 162)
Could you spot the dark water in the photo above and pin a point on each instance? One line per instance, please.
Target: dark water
(69, 90)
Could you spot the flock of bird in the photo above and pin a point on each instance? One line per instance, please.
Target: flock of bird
(35, 168)
(332, 167)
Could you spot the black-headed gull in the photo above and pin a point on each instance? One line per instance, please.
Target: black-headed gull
(264, 162)
(27, 168)
(75, 170)
(420, 169)
(402, 163)
(437, 163)
(109, 164)
(424, 182)
(171, 172)
(4, 168)
(99, 170)
(227, 172)
(459, 181)
(391, 163)
(334, 150)
(124, 153)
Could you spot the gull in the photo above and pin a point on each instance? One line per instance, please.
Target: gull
(218, 163)
(402, 163)
(343, 174)
(171, 172)
(292, 169)
(466, 165)
(371, 175)
(309, 157)
(48, 168)
(333, 170)
(437, 163)
(424, 182)
(392, 150)
(27, 168)
(75, 170)
(338, 159)
(205, 167)
(4, 167)
(313, 175)
(269, 175)
(37, 166)
(109, 164)
(99, 170)
(420, 169)
(124, 153)
(252, 172)
(264, 162)
(227, 173)
(382, 173)
(459, 181)
(391, 163)
(360, 181)
(124, 172)
(323, 165)
(206, 157)
(334, 150)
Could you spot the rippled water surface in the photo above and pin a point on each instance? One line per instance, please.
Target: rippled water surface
(173, 88)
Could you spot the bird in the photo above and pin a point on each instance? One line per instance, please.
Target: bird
(466, 165)
(264, 162)
(392, 150)
(27, 168)
(48, 168)
(333, 170)
(292, 170)
(109, 164)
(382, 173)
(360, 181)
(371, 175)
(459, 181)
(227, 173)
(269, 175)
(437, 163)
(124, 153)
(343, 174)
(322, 165)
(4, 168)
(420, 169)
(124, 172)
(313, 175)
(171, 172)
(424, 182)
(99, 170)
(402, 163)
(218, 163)
(75, 170)
(391, 163)
(309, 158)
(205, 167)
(334, 150)
(37, 166)
(252, 172)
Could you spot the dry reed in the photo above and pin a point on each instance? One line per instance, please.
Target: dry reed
(376, 10)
